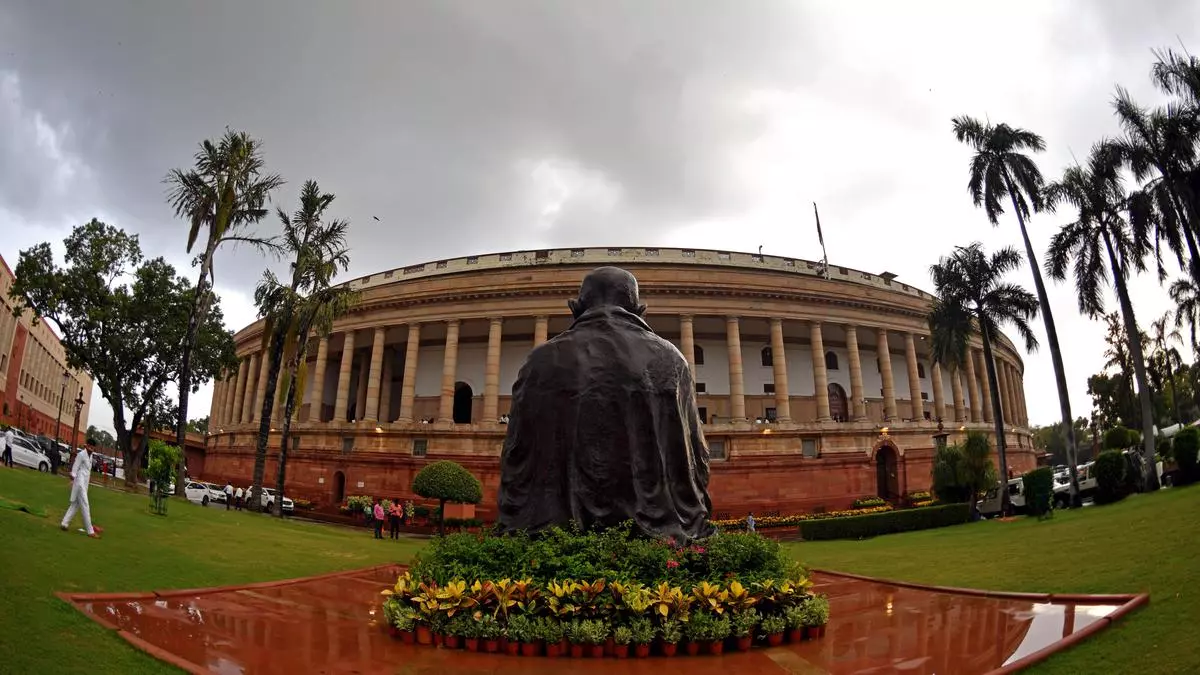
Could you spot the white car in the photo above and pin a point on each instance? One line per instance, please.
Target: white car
(199, 493)
(268, 501)
(25, 453)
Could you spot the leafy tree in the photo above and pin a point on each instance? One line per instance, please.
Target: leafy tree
(971, 293)
(101, 436)
(223, 194)
(122, 319)
(1110, 403)
(447, 481)
(309, 305)
(962, 472)
(198, 426)
(1099, 246)
(1110, 471)
(1000, 169)
(1049, 439)
(1164, 359)
(1186, 295)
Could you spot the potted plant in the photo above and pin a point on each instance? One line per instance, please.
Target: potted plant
(744, 623)
(489, 632)
(597, 633)
(621, 636)
(470, 632)
(437, 625)
(816, 615)
(577, 634)
(553, 633)
(718, 631)
(697, 631)
(772, 628)
(515, 631)
(522, 632)
(794, 616)
(671, 632)
(642, 632)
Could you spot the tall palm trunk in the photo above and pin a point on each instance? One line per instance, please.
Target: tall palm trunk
(1187, 220)
(288, 408)
(200, 306)
(1174, 392)
(1060, 373)
(1150, 473)
(998, 417)
(274, 361)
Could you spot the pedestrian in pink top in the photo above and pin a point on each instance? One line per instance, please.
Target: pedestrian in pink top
(378, 514)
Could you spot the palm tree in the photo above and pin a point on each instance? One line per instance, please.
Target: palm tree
(1099, 245)
(999, 169)
(1185, 293)
(292, 311)
(224, 194)
(1165, 357)
(971, 294)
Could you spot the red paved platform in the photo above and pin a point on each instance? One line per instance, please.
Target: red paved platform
(330, 624)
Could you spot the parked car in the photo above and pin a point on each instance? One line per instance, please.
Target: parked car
(268, 501)
(26, 453)
(201, 493)
(990, 505)
(1062, 485)
(218, 492)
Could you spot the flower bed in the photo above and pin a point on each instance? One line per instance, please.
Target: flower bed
(738, 524)
(603, 594)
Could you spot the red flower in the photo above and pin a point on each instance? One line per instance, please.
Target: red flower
(672, 564)
(697, 549)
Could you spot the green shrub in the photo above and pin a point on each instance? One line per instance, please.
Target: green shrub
(447, 481)
(1185, 447)
(1110, 471)
(875, 524)
(162, 463)
(1163, 448)
(961, 472)
(1119, 438)
(1039, 491)
(868, 502)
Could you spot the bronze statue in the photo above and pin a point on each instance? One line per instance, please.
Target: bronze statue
(604, 426)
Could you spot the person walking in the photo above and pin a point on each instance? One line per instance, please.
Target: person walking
(378, 514)
(8, 443)
(228, 495)
(750, 523)
(81, 473)
(395, 513)
(237, 499)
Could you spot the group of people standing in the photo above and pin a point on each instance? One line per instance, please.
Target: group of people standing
(396, 515)
(236, 498)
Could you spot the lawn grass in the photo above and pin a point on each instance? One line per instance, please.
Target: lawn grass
(1146, 543)
(192, 547)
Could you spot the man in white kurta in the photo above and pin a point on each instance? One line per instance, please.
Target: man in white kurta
(81, 475)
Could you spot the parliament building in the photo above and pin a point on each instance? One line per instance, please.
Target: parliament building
(815, 385)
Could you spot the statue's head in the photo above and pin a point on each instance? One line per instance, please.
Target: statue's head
(607, 287)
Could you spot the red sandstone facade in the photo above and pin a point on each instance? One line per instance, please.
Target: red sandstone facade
(815, 390)
(37, 390)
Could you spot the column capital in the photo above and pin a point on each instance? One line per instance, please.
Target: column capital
(541, 317)
(686, 317)
(453, 322)
(732, 319)
(496, 321)
(776, 321)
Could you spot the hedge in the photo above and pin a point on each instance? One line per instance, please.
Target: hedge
(1039, 490)
(1186, 447)
(890, 522)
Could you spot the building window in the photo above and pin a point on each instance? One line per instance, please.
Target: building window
(295, 443)
(688, 253)
(652, 252)
(701, 388)
(722, 255)
(348, 444)
(788, 262)
(924, 396)
(389, 274)
(831, 361)
(842, 270)
(541, 255)
(473, 260)
(505, 257)
(754, 257)
(808, 448)
(413, 269)
(420, 447)
(769, 388)
(703, 414)
(698, 354)
(771, 414)
(716, 450)
(921, 370)
(576, 253)
(441, 265)
(767, 357)
(614, 251)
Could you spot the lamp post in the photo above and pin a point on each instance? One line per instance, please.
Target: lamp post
(62, 396)
(78, 407)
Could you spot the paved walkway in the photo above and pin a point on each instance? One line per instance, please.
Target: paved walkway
(331, 624)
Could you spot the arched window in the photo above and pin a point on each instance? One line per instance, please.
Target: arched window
(921, 370)
(698, 354)
(768, 358)
(831, 361)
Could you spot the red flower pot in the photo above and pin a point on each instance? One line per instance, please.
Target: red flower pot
(775, 639)
(491, 646)
(795, 634)
(472, 644)
(744, 643)
(439, 639)
(576, 651)
(408, 637)
(393, 631)
(811, 632)
(424, 635)
(512, 648)
(641, 651)
(452, 641)
(531, 649)
(553, 650)
(716, 647)
(821, 630)
(692, 648)
(596, 651)
(621, 651)
(668, 648)
(564, 647)
(609, 644)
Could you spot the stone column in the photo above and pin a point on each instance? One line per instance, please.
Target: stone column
(914, 378)
(541, 326)
(885, 374)
(260, 389)
(857, 407)
(229, 398)
(408, 386)
(342, 400)
(449, 372)
(939, 396)
(737, 392)
(1010, 376)
(1021, 398)
(231, 405)
(385, 387)
(985, 389)
(491, 372)
(1006, 406)
(960, 408)
(360, 389)
(820, 375)
(218, 404)
(316, 397)
(783, 404)
(375, 372)
(973, 388)
(239, 400)
(687, 342)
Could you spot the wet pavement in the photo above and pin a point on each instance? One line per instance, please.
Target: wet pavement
(331, 625)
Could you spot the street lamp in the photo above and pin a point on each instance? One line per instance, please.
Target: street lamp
(62, 396)
(78, 407)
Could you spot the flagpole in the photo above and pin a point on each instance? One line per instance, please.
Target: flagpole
(821, 238)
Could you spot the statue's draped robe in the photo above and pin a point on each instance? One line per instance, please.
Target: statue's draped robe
(603, 429)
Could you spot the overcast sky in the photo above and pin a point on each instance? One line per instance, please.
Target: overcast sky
(474, 126)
